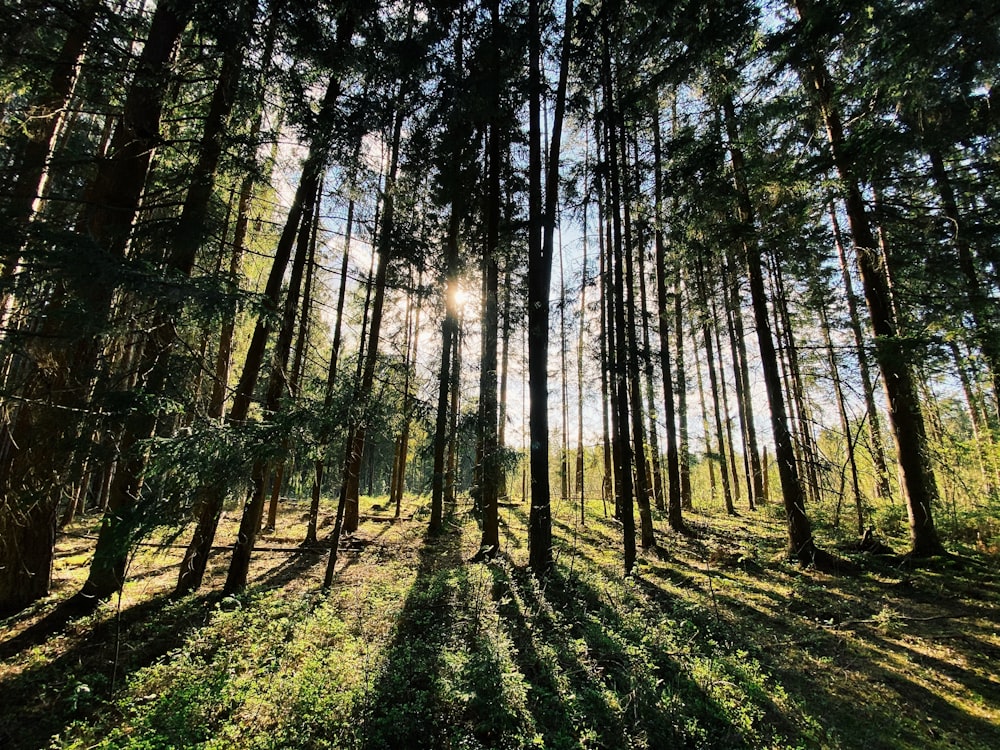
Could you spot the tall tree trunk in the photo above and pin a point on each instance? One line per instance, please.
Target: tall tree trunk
(723, 387)
(212, 496)
(301, 342)
(619, 463)
(794, 389)
(658, 493)
(683, 449)
(491, 474)
(398, 484)
(580, 489)
(703, 404)
(449, 334)
(63, 360)
(655, 489)
(608, 397)
(319, 465)
(845, 422)
(748, 428)
(367, 362)
(541, 229)
(621, 440)
(810, 452)
(675, 501)
(208, 506)
(919, 484)
(277, 386)
(794, 423)
(450, 323)
(633, 372)
(451, 476)
(505, 357)
(713, 381)
(738, 389)
(347, 510)
(800, 539)
(882, 488)
(563, 381)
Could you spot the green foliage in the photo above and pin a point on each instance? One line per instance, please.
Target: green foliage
(417, 647)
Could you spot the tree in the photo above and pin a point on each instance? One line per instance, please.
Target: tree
(871, 409)
(212, 495)
(674, 503)
(64, 361)
(541, 232)
(618, 348)
(111, 553)
(800, 539)
(906, 418)
(347, 508)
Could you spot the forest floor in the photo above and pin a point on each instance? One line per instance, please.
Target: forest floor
(718, 641)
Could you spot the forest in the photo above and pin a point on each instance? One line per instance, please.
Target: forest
(499, 374)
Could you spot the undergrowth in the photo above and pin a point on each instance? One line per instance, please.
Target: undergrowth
(718, 641)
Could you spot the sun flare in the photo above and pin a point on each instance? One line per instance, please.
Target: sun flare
(459, 299)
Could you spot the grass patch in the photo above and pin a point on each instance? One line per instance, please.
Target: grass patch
(717, 641)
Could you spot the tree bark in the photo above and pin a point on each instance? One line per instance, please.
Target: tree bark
(504, 357)
(449, 334)
(882, 488)
(298, 363)
(608, 398)
(683, 449)
(347, 517)
(319, 465)
(675, 501)
(727, 412)
(809, 453)
(563, 381)
(277, 387)
(212, 496)
(541, 230)
(845, 422)
(621, 440)
(800, 539)
(705, 430)
(905, 416)
(398, 485)
(580, 488)
(657, 490)
(491, 475)
(755, 486)
(713, 381)
(63, 360)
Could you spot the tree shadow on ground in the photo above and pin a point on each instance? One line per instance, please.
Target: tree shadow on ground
(563, 702)
(105, 648)
(592, 683)
(99, 647)
(879, 706)
(406, 706)
(887, 693)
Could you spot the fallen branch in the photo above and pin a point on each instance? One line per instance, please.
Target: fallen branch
(898, 618)
(223, 548)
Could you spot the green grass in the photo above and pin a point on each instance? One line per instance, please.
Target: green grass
(717, 642)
